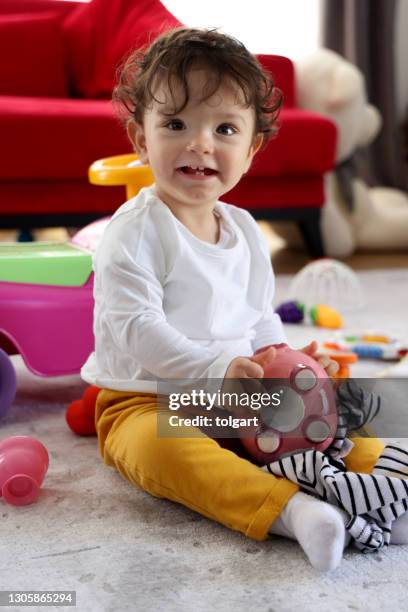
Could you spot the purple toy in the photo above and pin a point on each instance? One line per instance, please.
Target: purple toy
(23, 464)
(7, 383)
(291, 312)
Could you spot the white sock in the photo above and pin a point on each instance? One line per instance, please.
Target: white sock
(319, 528)
(399, 530)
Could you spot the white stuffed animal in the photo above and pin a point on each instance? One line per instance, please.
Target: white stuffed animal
(357, 217)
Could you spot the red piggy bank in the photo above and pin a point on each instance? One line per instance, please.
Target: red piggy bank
(301, 414)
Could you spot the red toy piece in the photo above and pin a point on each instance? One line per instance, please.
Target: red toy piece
(80, 414)
(304, 417)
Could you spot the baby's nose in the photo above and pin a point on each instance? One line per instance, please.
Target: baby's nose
(201, 143)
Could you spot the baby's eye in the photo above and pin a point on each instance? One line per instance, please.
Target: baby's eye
(226, 129)
(175, 124)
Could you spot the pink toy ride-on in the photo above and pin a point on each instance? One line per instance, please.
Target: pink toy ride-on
(46, 290)
(46, 310)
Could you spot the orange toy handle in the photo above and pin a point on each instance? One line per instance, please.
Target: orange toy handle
(121, 170)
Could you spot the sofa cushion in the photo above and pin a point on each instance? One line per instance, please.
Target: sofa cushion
(305, 144)
(27, 199)
(45, 138)
(101, 33)
(294, 192)
(73, 133)
(283, 73)
(31, 48)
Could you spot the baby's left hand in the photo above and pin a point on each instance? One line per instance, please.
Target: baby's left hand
(328, 364)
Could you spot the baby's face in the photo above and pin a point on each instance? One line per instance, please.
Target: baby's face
(200, 153)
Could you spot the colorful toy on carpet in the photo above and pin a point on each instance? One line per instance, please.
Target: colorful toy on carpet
(320, 315)
(324, 316)
(320, 292)
(369, 346)
(80, 414)
(291, 312)
(23, 465)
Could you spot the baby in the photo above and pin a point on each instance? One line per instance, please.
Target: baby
(184, 287)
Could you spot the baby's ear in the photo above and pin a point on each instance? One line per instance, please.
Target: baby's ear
(136, 136)
(254, 148)
(257, 144)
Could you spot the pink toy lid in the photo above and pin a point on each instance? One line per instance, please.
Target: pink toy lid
(20, 490)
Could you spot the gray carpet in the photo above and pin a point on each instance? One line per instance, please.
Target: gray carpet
(121, 549)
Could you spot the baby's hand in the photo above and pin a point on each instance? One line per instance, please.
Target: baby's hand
(249, 368)
(328, 364)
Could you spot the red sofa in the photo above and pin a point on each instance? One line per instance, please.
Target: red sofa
(57, 69)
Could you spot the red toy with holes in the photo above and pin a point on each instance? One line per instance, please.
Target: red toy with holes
(306, 417)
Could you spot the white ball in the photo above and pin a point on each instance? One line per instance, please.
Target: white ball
(327, 281)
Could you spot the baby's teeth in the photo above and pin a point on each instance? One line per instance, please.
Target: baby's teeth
(198, 169)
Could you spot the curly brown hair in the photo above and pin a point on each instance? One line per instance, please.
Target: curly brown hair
(173, 54)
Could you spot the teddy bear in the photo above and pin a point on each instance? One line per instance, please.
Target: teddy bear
(354, 216)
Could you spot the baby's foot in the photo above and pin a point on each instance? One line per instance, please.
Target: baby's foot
(318, 527)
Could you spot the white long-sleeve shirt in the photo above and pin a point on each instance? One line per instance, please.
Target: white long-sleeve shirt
(171, 306)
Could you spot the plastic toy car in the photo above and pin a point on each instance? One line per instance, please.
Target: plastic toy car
(46, 301)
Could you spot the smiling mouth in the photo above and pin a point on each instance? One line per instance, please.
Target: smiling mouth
(197, 170)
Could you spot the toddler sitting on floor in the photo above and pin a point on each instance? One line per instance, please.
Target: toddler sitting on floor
(184, 289)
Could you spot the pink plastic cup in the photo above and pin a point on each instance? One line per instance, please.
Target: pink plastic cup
(23, 464)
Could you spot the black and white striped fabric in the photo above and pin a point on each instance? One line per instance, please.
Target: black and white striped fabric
(373, 501)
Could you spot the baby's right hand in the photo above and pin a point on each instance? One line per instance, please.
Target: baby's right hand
(250, 367)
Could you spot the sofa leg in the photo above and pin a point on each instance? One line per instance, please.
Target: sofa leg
(310, 230)
(25, 235)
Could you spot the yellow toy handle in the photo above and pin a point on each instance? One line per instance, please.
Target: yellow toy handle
(125, 170)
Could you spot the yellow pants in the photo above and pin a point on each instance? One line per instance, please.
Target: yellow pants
(197, 471)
